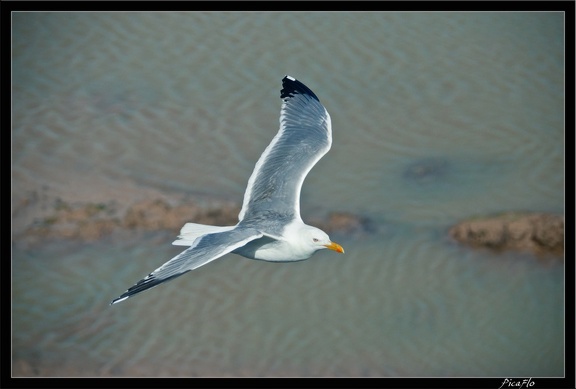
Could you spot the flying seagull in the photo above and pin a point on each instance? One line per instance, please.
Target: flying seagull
(269, 224)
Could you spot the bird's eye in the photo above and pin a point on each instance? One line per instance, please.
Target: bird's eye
(314, 239)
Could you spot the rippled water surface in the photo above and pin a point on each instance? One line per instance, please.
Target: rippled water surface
(436, 117)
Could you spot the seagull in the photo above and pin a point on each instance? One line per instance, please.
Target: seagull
(269, 225)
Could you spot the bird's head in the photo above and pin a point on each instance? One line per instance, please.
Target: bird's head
(318, 239)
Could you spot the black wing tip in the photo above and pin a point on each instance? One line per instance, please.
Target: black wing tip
(144, 284)
(119, 299)
(140, 286)
(291, 87)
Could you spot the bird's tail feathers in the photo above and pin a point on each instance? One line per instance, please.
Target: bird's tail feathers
(191, 231)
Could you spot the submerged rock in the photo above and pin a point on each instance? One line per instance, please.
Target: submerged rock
(158, 214)
(539, 233)
(92, 221)
(89, 221)
(345, 222)
(427, 170)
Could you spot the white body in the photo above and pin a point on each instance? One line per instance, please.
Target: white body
(267, 248)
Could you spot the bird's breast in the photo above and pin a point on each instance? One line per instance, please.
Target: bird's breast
(268, 249)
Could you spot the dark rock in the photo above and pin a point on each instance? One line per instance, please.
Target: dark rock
(427, 170)
(345, 222)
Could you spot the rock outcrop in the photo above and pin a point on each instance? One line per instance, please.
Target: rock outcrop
(93, 221)
(539, 233)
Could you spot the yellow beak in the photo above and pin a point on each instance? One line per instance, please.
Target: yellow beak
(335, 246)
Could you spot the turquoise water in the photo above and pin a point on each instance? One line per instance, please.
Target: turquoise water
(186, 102)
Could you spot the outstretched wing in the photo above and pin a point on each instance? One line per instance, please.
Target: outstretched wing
(205, 249)
(305, 136)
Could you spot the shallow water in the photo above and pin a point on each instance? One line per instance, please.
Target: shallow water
(436, 117)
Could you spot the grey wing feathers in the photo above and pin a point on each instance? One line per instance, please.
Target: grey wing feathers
(305, 136)
(205, 249)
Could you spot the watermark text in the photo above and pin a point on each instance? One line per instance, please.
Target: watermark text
(512, 383)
